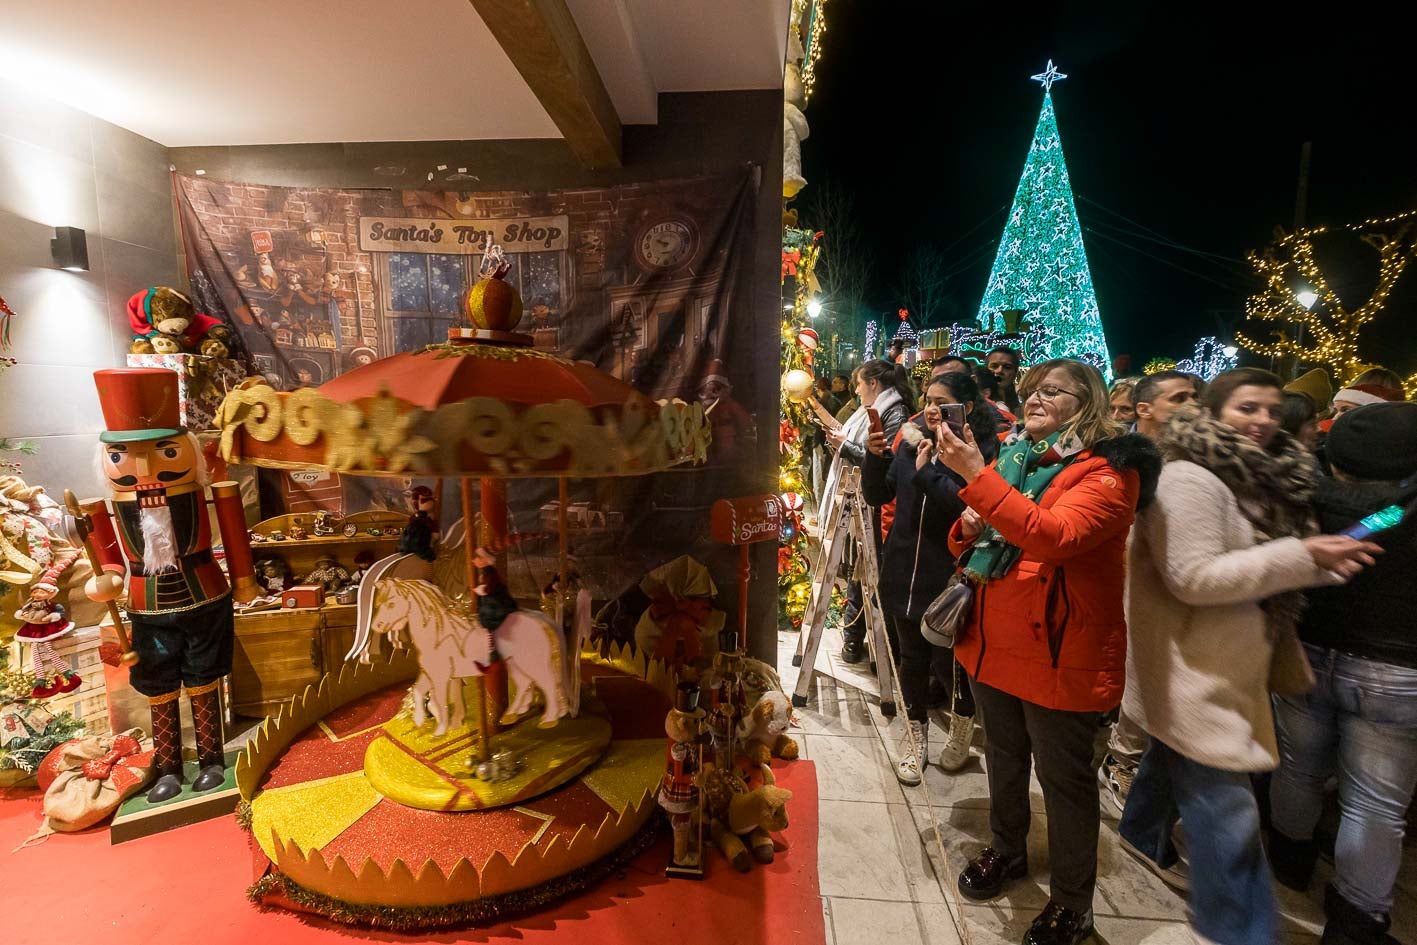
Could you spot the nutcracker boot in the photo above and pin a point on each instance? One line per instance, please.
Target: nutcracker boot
(206, 719)
(167, 747)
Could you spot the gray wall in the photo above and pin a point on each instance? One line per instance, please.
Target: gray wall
(698, 133)
(62, 167)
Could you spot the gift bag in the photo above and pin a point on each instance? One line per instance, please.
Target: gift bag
(86, 779)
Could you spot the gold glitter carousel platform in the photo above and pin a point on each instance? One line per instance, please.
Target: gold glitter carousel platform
(318, 779)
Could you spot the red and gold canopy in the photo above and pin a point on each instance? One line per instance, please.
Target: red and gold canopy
(464, 409)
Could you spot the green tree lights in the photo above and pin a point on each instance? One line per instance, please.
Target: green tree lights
(1041, 266)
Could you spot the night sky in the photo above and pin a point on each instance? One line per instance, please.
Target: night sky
(1190, 130)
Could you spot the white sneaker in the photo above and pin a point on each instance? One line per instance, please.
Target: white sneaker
(956, 752)
(907, 770)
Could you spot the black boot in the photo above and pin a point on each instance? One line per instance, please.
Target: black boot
(206, 719)
(1349, 925)
(1292, 860)
(167, 747)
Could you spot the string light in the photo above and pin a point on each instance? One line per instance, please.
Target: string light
(1327, 332)
(1157, 365)
(1211, 359)
(814, 48)
(1041, 266)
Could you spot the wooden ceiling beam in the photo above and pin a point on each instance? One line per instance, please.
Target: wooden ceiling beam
(543, 42)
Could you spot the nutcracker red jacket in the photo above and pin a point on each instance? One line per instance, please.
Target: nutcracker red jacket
(1051, 631)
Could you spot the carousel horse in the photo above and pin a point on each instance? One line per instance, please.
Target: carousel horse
(452, 647)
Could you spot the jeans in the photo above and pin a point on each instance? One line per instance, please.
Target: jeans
(1232, 894)
(1361, 723)
(1016, 733)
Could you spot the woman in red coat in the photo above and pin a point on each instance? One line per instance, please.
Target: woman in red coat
(1045, 537)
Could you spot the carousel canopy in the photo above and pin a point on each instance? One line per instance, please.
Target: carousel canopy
(464, 409)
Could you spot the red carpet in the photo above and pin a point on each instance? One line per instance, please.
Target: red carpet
(190, 885)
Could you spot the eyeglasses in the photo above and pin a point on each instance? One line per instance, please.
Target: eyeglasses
(1050, 392)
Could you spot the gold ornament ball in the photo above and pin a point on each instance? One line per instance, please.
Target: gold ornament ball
(797, 597)
(798, 384)
(494, 305)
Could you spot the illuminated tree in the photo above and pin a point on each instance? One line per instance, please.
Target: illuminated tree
(1327, 331)
(1041, 267)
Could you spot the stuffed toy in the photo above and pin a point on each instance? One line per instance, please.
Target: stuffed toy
(738, 814)
(763, 732)
(794, 131)
(165, 319)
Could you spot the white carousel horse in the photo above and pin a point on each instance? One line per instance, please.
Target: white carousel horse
(451, 647)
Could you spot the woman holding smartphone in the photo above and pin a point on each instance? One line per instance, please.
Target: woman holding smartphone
(884, 389)
(916, 562)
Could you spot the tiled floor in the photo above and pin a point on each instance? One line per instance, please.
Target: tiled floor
(881, 876)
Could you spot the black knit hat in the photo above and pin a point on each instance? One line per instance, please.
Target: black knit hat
(1377, 442)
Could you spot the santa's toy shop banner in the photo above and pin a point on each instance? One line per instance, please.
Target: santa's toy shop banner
(642, 280)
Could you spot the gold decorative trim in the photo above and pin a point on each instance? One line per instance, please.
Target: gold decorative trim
(384, 435)
(165, 698)
(202, 690)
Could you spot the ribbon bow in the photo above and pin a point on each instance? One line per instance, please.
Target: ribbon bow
(681, 618)
(99, 769)
(790, 260)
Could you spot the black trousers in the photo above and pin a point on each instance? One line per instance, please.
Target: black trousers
(187, 647)
(1019, 732)
(916, 659)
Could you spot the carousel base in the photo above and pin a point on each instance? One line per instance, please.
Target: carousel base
(342, 846)
(410, 765)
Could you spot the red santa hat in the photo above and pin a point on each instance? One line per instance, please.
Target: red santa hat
(1364, 394)
(716, 372)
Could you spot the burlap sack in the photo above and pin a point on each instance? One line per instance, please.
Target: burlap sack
(86, 779)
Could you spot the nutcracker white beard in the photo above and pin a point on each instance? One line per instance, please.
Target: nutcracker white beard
(159, 540)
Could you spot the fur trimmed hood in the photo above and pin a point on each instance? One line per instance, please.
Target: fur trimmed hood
(1133, 451)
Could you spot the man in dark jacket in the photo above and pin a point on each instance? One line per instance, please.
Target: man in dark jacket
(1358, 722)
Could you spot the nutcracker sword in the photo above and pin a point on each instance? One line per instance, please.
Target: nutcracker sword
(83, 526)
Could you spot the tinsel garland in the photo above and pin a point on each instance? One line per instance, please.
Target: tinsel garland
(455, 914)
(244, 815)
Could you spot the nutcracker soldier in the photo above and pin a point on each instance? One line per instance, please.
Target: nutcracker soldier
(679, 790)
(421, 532)
(178, 601)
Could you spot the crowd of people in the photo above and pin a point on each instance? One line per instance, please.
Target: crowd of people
(1220, 575)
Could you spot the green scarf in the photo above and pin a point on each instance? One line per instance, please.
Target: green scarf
(1028, 467)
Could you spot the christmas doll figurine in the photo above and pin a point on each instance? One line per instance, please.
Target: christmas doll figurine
(178, 601)
(679, 790)
(728, 701)
(421, 531)
(494, 602)
(44, 621)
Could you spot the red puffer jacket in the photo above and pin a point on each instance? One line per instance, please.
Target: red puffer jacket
(1051, 631)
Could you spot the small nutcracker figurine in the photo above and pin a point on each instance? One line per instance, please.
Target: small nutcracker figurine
(728, 700)
(421, 532)
(178, 601)
(679, 792)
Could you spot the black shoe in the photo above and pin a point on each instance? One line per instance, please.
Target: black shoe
(853, 650)
(167, 787)
(1059, 925)
(211, 776)
(1349, 925)
(1292, 860)
(939, 695)
(986, 874)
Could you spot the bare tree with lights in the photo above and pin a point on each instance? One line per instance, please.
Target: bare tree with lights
(846, 271)
(1313, 325)
(921, 284)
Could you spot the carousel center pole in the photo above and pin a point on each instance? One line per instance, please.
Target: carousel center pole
(563, 496)
(484, 727)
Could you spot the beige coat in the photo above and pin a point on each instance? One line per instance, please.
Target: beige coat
(1198, 655)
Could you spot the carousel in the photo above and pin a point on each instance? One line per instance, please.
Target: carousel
(451, 773)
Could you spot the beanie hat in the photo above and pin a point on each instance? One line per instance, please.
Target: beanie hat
(1376, 442)
(1313, 385)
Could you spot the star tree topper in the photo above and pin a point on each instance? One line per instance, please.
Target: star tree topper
(1048, 76)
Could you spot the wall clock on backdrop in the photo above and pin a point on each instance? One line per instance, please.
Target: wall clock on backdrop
(666, 243)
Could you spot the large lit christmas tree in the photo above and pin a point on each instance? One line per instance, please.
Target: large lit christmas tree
(1041, 267)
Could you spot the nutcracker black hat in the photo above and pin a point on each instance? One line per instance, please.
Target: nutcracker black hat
(686, 699)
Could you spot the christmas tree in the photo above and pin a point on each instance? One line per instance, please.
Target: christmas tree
(1041, 267)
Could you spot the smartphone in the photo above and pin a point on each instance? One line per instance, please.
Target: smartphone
(953, 415)
(875, 420)
(1380, 520)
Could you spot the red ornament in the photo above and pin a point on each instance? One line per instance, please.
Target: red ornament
(903, 313)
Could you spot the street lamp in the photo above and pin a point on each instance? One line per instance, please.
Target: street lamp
(1230, 351)
(1307, 298)
(814, 308)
